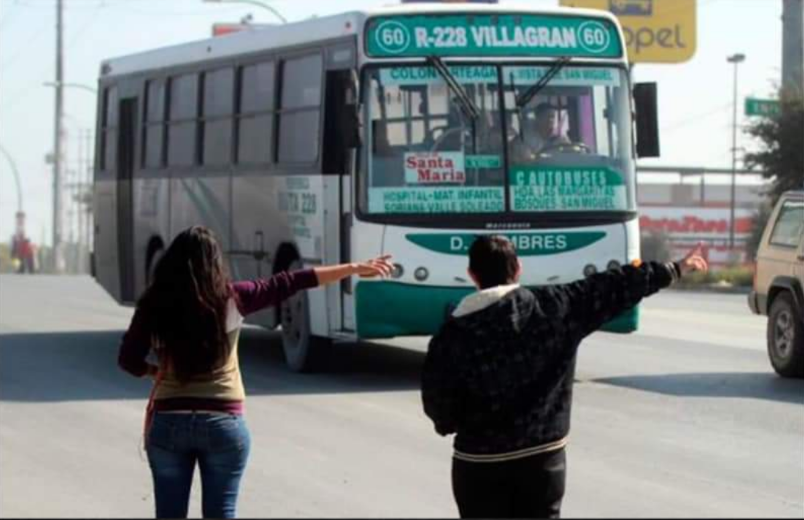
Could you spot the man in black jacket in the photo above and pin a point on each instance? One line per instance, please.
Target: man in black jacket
(499, 375)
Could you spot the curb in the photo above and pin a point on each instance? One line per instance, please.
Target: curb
(712, 288)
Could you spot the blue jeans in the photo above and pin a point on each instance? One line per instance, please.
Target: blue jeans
(218, 443)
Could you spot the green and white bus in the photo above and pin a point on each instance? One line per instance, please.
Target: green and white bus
(404, 130)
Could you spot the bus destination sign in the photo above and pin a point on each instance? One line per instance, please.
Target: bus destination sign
(544, 188)
(492, 35)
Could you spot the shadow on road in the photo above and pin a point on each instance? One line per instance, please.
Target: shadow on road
(75, 366)
(747, 385)
(358, 367)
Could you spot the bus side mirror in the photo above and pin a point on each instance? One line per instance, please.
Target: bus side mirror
(647, 120)
(351, 114)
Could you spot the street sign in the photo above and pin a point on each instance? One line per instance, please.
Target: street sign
(761, 107)
(656, 31)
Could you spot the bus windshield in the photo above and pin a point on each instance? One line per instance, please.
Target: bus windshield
(567, 148)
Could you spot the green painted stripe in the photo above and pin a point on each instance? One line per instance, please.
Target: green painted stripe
(626, 322)
(389, 309)
(527, 244)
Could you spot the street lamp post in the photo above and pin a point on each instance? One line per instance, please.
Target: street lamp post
(16, 174)
(736, 59)
(70, 85)
(250, 2)
(59, 85)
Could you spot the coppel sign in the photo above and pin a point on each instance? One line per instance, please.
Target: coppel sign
(656, 31)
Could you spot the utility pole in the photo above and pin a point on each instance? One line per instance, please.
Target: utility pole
(58, 259)
(792, 46)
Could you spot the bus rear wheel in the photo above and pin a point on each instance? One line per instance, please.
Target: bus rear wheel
(304, 352)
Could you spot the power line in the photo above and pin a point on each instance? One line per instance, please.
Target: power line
(683, 122)
(128, 5)
(6, 18)
(83, 28)
(22, 49)
(28, 89)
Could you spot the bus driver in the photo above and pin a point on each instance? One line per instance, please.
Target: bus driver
(540, 133)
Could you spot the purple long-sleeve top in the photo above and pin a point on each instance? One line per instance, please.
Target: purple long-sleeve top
(250, 296)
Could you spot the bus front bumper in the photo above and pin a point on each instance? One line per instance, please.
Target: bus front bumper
(389, 309)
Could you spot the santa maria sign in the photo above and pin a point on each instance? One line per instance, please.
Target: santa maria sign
(434, 168)
(492, 35)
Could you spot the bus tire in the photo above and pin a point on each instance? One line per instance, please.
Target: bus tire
(303, 351)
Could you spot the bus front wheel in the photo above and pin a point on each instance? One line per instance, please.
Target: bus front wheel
(304, 352)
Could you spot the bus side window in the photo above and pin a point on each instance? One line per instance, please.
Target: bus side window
(299, 112)
(216, 119)
(183, 120)
(154, 127)
(108, 152)
(255, 113)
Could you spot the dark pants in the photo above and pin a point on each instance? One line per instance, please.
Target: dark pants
(218, 443)
(531, 487)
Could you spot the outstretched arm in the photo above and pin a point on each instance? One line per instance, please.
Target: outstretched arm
(599, 298)
(255, 295)
(380, 266)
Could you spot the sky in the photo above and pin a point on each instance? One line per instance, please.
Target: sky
(695, 97)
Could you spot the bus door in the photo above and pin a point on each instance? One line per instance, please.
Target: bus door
(125, 200)
(339, 153)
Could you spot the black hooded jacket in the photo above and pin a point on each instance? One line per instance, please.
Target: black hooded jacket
(501, 377)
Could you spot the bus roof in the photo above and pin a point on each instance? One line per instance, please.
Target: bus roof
(303, 32)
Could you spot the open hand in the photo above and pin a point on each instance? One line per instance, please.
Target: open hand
(380, 266)
(693, 261)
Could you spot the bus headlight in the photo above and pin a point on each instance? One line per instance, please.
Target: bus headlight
(589, 270)
(398, 271)
(421, 274)
(614, 264)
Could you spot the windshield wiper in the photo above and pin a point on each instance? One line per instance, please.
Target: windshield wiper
(554, 69)
(468, 106)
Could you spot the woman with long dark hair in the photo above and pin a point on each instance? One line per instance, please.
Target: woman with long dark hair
(190, 318)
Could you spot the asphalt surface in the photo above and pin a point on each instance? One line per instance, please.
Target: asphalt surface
(684, 418)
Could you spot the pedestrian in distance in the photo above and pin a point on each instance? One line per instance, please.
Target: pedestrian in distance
(499, 375)
(190, 318)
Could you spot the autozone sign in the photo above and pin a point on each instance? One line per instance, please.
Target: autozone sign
(695, 223)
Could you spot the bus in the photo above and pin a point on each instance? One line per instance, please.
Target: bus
(405, 130)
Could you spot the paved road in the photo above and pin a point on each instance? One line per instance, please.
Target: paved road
(683, 419)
